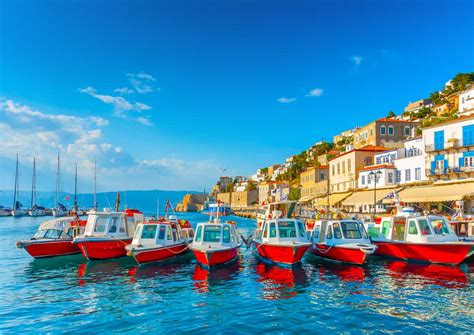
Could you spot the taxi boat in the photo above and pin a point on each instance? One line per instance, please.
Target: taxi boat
(341, 240)
(158, 240)
(54, 238)
(419, 238)
(108, 233)
(281, 241)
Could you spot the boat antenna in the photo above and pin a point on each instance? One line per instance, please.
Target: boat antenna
(75, 191)
(95, 184)
(117, 202)
(15, 193)
(58, 182)
(33, 185)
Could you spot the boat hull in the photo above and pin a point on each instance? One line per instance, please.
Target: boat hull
(158, 254)
(103, 249)
(281, 254)
(442, 253)
(339, 253)
(210, 258)
(39, 249)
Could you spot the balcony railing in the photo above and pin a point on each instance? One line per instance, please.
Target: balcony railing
(453, 144)
(449, 170)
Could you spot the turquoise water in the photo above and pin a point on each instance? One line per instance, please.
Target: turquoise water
(73, 295)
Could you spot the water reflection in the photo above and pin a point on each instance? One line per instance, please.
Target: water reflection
(279, 282)
(409, 274)
(160, 269)
(327, 270)
(39, 267)
(100, 271)
(204, 279)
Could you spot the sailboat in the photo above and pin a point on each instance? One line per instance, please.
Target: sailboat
(17, 211)
(59, 209)
(35, 210)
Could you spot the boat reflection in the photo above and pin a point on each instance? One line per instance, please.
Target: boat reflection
(411, 274)
(327, 270)
(100, 271)
(204, 279)
(163, 269)
(278, 282)
(39, 267)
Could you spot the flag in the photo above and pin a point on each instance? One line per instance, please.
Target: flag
(67, 197)
(168, 205)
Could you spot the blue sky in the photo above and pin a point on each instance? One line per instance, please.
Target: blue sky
(167, 93)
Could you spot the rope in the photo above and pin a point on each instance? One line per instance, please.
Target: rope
(322, 251)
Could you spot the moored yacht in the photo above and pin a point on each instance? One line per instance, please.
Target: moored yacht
(157, 240)
(37, 211)
(341, 240)
(419, 238)
(108, 233)
(54, 238)
(281, 241)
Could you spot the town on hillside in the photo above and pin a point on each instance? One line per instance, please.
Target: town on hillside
(424, 156)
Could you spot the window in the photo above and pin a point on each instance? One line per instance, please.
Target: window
(168, 234)
(287, 229)
(406, 131)
(351, 230)
(333, 170)
(439, 140)
(321, 176)
(175, 235)
(343, 167)
(100, 225)
(273, 232)
(338, 168)
(349, 165)
(265, 231)
(378, 160)
(337, 230)
(212, 234)
(390, 177)
(301, 229)
(383, 130)
(439, 165)
(440, 227)
(468, 135)
(469, 161)
(407, 175)
(363, 180)
(197, 237)
(226, 234)
(412, 228)
(390, 130)
(162, 231)
(317, 229)
(329, 233)
(424, 227)
(398, 176)
(113, 225)
(418, 173)
(371, 131)
(149, 231)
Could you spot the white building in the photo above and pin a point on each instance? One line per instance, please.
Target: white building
(385, 174)
(450, 149)
(410, 165)
(466, 102)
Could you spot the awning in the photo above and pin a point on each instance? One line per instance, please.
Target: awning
(437, 193)
(306, 198)
(333, 199)
(366, 197)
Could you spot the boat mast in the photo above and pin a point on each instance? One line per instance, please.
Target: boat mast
(58, 182)
(33, 185)
(15, 193)
(75, 191)
(95, 184)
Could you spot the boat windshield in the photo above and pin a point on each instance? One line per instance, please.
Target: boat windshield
(212, 233)
(351, 230)
(100, 225)
(287, 229)
(440, 227)
(424, 227)
(149, 231)
(50, 233)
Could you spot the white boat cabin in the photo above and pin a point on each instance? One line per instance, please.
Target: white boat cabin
(209, 234)
(62, 228)
(336, 232)
(158, 233)
(281, 231)
(416, 229)
(112, 224)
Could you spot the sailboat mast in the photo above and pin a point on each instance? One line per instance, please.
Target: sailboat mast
(95, 184)
(15, 193)
(33, 185)
(57, 184)
(75, 191)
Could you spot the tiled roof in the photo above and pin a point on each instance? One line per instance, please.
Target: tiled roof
(367, 148)
(380, 166)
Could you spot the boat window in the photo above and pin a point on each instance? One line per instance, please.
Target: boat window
(123, 222)
(362, 230)
(40, 234)
(212, 234)
(138, 232)
(337, 230)
(190, 233)
(198, 235)
(113, 225)
(424, 227)
(329, 232)
(168, 234)
(161, 232)
(440, 227)
(287, 229)
(175, 235)
(317, 229)
(265, 230)
(273, 232)
(398, 232)
(53, 233)
(226, 234)
(412, 228)
(351, 230)
(301, 229)
(100, 225)
(149, 231)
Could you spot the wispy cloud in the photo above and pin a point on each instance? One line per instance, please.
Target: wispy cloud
(316, 92)
(123, 91)
(284, 100)
(357, 60)
(142, 82)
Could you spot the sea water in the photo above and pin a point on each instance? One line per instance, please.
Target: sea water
(71, 294)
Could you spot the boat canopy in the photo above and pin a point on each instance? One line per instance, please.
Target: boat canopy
(281, 230)
(58, 224)
(339, 232)
(112, 223)
(218, 233)
(159, 232)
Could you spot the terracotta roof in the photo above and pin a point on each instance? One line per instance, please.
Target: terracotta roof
(367, 148)
(380, 166)
(385, 119)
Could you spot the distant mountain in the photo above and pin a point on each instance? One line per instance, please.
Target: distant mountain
(146, 201)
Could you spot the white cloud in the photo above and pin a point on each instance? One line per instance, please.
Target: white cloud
(123, 91)
(357, 60)
(143, 120)
(142, 82)
(317, 92)
(284, 100)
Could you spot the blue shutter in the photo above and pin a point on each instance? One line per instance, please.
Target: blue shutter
(461, 161)
(445, 165)
(468, 135)
(439, 140)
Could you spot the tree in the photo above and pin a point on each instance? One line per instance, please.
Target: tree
(251, 187)
(229, 187)
(295, 194)
(391, 114)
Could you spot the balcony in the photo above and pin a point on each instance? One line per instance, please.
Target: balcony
(453, 143)
(450, 170)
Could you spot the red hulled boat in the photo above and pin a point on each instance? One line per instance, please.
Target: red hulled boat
(159, 240)
(341, 240)
(281, 241)
(427, 239)
(54, 238)
(107, 233)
